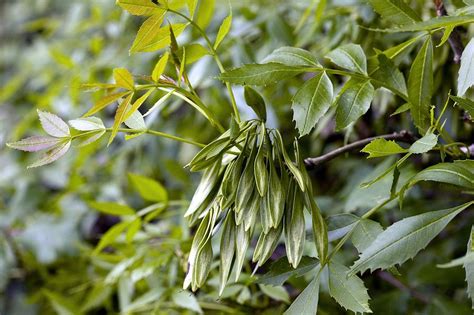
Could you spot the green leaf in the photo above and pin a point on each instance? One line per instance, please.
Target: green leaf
(350, 57)
(135, 121)
(276, 293)
(61, 304)
(260, 74)
(194, 52)
(192, 4)
(148, 188)
(104, 101)
(256, 102)
(160, 67)
(140, 7)
(292, 56)
(111, 236)
(223, 30)
(420, 86)
(365, 233)
(119, 117)
(112, 208)
(146, 33)
(158, 39)
(87, 124)
(433, 24)
(381, 147)
(281, 270)
(424, 144)
(404, 239)
(186, 300)
(466, 104)
(311, 102)
(390, 75)
(349, 292)
(34, 143)
(205, 13)
(124, 78)
(134, 227)
(395, 11)
(353, 102)
(130, 110)
(466, 71)
(459, 173)
(307, 302)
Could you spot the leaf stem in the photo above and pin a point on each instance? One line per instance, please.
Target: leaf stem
(158, 134)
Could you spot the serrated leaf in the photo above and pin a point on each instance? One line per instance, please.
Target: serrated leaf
(349, 292)
(223, 30)
(434, 23)
(104, 101)
(460, 173)
(52, 155)
(123, 78)
(350, 57)
(292, 56)
(311, 102)
(466, 71)
(160, 67)
(112, 208)
(53, 125)
(395, 11)
(281, 270)
(353, 102)
(420, 86)
(148, 188)
(466, 104)
(390, 75)
(34, 143)
(382, 147)
(424, 144)
(256, 102)
(260, 74)
(87, 124)
(119, 117)
(146, 32)
(365, 233)
(307, 302)
(140, 7)
(404, 239)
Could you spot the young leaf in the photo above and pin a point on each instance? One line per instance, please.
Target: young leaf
(146, 32)
(136, 105)
(381, 147)
(135, 121)
(349, 292)
(307, 302)
(119, 117)
(52, 155)
(140, 7)
(148, 188)
(256, 102)
(260, 74)
(205, 13)
(34, 143)
(420, 86)
(424, 144)
(85, 140)
(191, 7)
(404, 239)
(223, 30)
(160, 67)
(104, 101)
(395, 11)
(87, 124)
(112, 208)
(123, 78)
(466, 71)
(311, 102)
(350, 57)
(159, 39)
(353, 102)
(292, 56)
(53, 125)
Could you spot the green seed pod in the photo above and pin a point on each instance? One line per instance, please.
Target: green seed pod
(275, 197)
(266, 244)
(227, 250)
(295, 228)
(242, 241)
(260, 168)
(246, 183)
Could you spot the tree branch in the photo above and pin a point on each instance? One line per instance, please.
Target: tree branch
(403, 135)
(454, 39)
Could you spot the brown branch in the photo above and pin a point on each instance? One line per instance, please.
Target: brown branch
(387, 277)
(403, 135)
(454, 39)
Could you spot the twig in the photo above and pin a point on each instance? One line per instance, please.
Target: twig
(455, 38)
(403, 135)
(387, 277)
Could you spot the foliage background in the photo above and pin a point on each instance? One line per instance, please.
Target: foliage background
(49, 229)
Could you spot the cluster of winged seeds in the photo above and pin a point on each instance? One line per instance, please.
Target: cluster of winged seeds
(248, 178)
